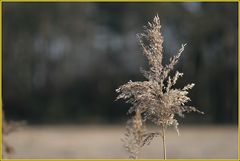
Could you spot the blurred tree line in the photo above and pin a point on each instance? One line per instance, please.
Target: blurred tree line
(63, 61)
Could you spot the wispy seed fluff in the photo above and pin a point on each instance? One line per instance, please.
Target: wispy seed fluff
(154, 99)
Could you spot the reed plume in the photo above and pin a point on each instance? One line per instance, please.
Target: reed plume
(7, 129)
(154, 99)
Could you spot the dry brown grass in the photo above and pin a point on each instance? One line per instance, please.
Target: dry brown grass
(155, 99)
(92, 142)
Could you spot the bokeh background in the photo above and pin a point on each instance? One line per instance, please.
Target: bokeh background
(63, 61)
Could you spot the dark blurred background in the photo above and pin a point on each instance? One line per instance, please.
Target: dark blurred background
(63, 61)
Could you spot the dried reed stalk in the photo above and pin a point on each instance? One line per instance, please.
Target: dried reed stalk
(154, 99)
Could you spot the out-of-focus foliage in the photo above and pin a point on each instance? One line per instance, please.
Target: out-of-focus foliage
(63, 61)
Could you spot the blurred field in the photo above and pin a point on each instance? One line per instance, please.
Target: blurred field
(48, 142)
